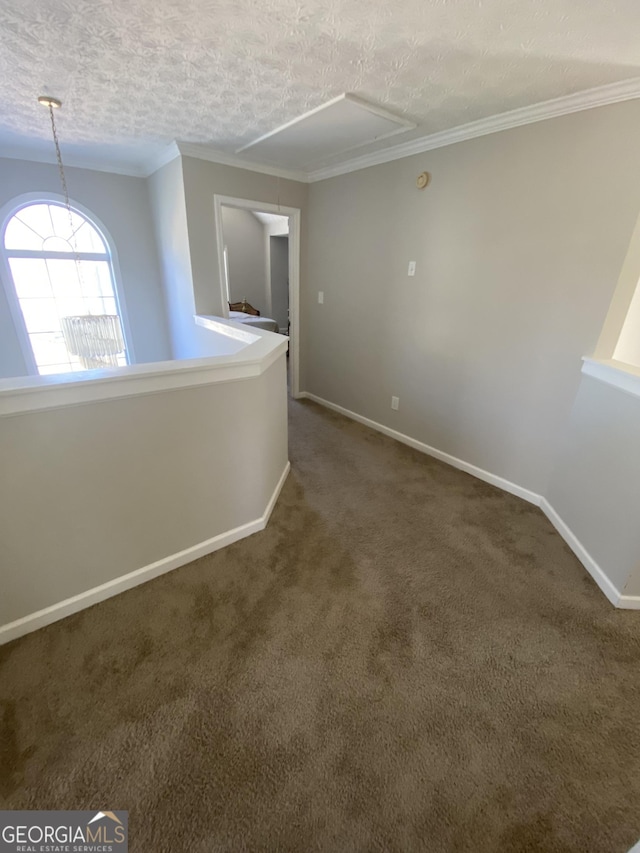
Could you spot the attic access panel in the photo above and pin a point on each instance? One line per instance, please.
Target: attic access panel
(337, 127)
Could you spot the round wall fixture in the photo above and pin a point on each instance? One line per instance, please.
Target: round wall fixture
(422, 180)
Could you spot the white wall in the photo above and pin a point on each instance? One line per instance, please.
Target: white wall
(91, 492)
(166, 189)
(122, 204)
(595, 487)
(166, 192)
(182, 194)
(202, 180)
(244, 239)
(518, 241)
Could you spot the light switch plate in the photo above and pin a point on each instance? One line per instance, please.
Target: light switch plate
(412, 268)
(321, 297)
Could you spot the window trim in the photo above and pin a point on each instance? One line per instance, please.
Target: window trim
(620, 304)
(62, 256)
(603, 365)
(7, 212)
(624, 377)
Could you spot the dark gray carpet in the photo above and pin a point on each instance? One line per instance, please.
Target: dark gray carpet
(407, 659)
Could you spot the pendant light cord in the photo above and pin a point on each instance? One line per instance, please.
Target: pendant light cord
(63, 179)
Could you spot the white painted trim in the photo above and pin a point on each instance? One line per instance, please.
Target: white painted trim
(628, 602)
(35, 393)
(203, 152)
(167, 155)
(7, 212)
(293, 121)
(597, 97)
(480, 473)
(382, 112)
(294, 301)
(294, 214)
(95, 164)
(625, 377)
(75, 161)
(59, 256)
(266, 242)
(403, 124)
(581, 553)
(37, 620)
(264, 519)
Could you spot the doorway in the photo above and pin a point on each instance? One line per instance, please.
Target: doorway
(259, 268)
(278, 272)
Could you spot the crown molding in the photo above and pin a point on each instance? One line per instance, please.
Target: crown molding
(73, 161)
(95, 164)
(161, 158)
(203, 152)
(600, 96)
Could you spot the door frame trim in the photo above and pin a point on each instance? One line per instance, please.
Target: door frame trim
(294, 215)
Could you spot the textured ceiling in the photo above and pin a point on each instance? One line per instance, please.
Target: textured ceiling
(137, 74)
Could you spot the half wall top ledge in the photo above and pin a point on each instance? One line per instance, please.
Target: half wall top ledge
(243, 354)
(134, 471)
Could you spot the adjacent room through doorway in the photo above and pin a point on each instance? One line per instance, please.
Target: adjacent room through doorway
(256, 252)
(258, 246)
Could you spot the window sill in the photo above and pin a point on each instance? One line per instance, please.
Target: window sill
(625, 377)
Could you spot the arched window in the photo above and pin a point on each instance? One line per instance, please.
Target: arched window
(64, 285)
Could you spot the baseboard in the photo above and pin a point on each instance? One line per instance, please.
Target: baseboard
(627, 602)
(264, 520)
(581, 553)
(37, 620)
(480, 473)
